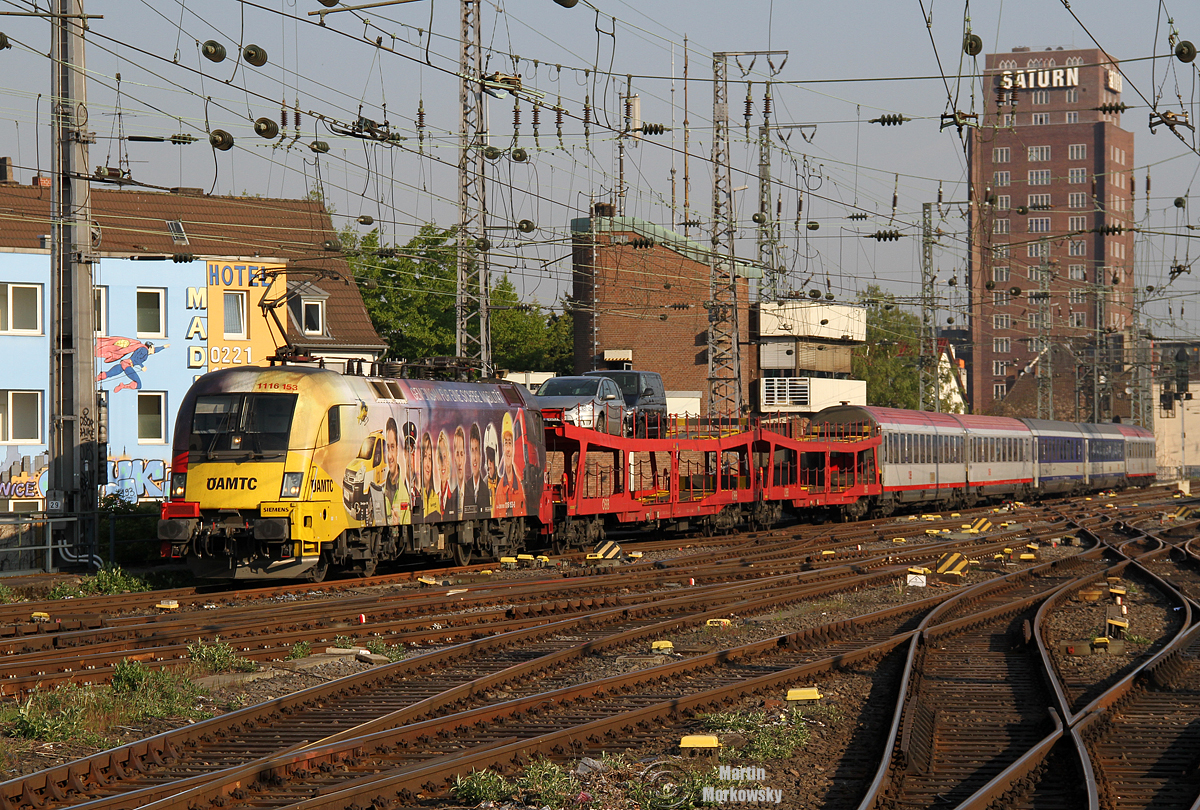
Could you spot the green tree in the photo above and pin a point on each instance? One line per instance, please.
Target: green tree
(888, 361)
(409, 294)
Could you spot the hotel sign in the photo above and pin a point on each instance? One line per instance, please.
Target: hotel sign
(1038, 79)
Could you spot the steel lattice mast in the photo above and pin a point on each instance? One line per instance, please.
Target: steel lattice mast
(472, 325)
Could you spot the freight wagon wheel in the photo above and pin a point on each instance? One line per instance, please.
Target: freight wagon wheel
(462, 554)
(366, 569)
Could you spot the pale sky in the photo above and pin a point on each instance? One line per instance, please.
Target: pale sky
(844, 164)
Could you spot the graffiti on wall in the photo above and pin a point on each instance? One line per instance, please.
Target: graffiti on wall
(136, 479)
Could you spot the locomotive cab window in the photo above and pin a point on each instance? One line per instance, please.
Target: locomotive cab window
(242, 423)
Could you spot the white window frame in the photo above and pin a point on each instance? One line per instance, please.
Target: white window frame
(1077, 320)
(1072, 118)
(1077, 223)
(1002, 322)
(1078, 247)
(1039, 177)
(1072, 96)
(320, 305)
(1000, 298)
(162, 311)
(1037, 250)
(1000, 368)
(1038, 202)
(1007, 120)
(1077, 296)
(239, 296)
(1077, 272)
(6, 425)
(1077, 151)
(1040, 119)
(1001, 154)
(1000, 226)
(1039, 154)
(1001, 345)
(1077, 199)
(161, 396)
(999, 390)
(1000, 179)
(1039, 224)
(1000, 274)
(1003, 202)
(1041, 97)
(100, 298)
(7, 303)
(1077, 176)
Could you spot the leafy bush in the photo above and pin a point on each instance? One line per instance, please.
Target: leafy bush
(301, 649)
(107, 581)
(85, 714)
(764, 739)
(393, 652)
(551, 784)
(344, 642)
(8, 595)
(219, 657)
(482, 786)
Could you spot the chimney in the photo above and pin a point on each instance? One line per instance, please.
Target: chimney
(6, 171)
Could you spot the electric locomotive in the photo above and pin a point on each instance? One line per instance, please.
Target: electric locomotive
(287, 471)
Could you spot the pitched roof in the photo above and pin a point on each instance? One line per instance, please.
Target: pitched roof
(135, 223)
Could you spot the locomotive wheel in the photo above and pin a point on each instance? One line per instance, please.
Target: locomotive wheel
(366, 569)
(462, 554)
(318, 572)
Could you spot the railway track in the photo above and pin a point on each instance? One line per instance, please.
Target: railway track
(544, 651)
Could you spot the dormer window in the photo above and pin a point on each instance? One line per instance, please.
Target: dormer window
(313, 312)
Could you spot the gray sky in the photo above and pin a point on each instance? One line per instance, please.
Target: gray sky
(843, 164)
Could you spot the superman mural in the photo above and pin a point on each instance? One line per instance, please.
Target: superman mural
(124, 357)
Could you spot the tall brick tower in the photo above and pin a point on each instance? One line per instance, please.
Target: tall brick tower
(1051, 193)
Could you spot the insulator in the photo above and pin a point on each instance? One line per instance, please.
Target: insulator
(213, 51)
(182, 258)
(516, 113)
(857, 215)
(558, 117)
(537, 108)
(587, 111)
(990, 285)
(483, 244)
(814, 226)
(1112, 107)
(266, 128)
(220, 140)
(526, 226)
(320, 147)
(331, 244)
(283, 114)
(885, 236)
(758, 218)
(492, 152)
(749, 105)
(4, 43)
(519, 155)
(628, 110)
(767, 103)
(366, 219)
(890, 120)
(296, 116)
(652, 129)
(254, 55)
(1185, 51)
(814, 294)
(1180, 202)
(972, 45)
(1014, 291)
(421, 114)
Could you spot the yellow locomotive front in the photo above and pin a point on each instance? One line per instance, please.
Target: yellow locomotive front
(249, 498)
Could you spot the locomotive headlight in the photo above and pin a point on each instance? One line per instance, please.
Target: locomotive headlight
(292, 482)
(178, 484)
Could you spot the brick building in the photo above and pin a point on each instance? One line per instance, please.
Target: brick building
(640, 293)
(1052, 183)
